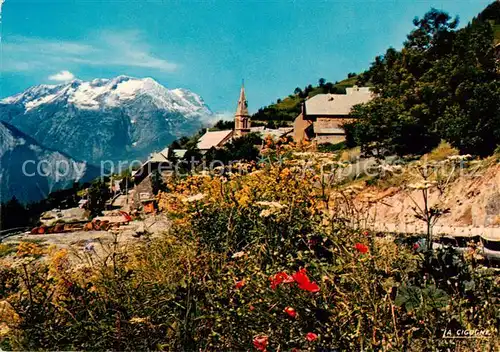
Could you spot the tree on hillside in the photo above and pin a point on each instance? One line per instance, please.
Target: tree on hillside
(13, 214)
(179, 143)
(243, 148)
(98, 195)
(308, 90)
(321, 82)
(297, 91)
(222, 125)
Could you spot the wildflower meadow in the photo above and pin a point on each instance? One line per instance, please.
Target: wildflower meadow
(269, 259)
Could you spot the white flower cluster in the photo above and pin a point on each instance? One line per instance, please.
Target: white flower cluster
(422, 185)
(271, 208)
(390, 168)
(194, 198)
(460, 157)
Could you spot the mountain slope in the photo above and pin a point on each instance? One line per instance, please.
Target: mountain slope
(29, 171)
(105, 119)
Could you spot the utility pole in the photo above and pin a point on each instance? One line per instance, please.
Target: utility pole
(126, 188)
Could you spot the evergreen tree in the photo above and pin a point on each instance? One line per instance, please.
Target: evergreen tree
(13, 214)
(98, 195)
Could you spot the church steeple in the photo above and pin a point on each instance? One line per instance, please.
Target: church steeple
(242, 109)
(242, 117)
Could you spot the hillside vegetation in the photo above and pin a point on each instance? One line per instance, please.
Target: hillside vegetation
(442, 85)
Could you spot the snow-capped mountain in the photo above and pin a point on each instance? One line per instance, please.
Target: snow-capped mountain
(30, 171)
(123, 118)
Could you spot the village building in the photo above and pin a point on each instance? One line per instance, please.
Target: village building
(241, 117)
(274, 133)
(242, 126)
(160, 161)
(323, 115)
(214, 139)
(217, 139)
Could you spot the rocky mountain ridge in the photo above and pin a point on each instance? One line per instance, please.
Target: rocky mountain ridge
(119, 119)
(30, 171)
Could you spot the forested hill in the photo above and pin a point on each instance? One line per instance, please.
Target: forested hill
(285, 110)
(444, 84)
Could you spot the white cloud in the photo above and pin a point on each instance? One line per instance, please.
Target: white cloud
(104, 49)
(224, 115)
(62, 76)
(210, 120)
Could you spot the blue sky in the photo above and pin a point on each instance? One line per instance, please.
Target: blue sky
(205, 46)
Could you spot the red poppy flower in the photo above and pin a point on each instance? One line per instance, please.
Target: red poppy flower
(312, 242)
(280, 278)
(240, 284)
(416, 246)
(311, 336)
(366, 233)
(303, 281)
(251, 307)
(260, 342)
(361, 248)
(290, 311)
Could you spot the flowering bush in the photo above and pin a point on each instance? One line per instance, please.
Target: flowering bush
(259, 261)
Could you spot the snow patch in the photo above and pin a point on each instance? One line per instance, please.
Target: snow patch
(43, 100)
(35, 148)
(111, 93)
(85, 96)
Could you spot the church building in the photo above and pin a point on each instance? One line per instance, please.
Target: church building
(242, 117)
(217, 139)
(242, 126)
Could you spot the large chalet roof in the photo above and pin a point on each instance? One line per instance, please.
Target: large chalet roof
(337, 104)
(214, 139)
